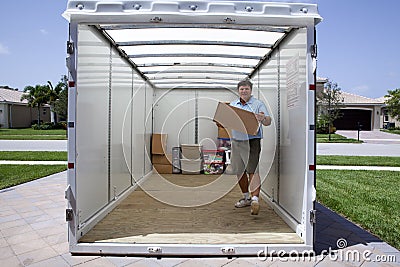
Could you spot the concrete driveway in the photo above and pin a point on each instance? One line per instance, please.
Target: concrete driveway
(375, 143)
(372, 137)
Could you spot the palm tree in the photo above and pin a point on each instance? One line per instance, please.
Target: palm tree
(61, 105)
(54, 95)
(37, 96)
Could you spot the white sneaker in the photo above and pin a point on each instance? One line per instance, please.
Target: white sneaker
(255, 207)
(243, 203)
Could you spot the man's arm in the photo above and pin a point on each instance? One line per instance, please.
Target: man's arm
(264, 119)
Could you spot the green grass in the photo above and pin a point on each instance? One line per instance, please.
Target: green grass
(391, 131)
(33, 155)
(11, 175)
(368, 198)
(335, 138)
(358, 161)
(31, 134)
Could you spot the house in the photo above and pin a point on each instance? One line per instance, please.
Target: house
(15, 113)
(368, 113)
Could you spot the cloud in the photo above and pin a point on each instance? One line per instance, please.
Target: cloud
(44, 32)
(4, 49)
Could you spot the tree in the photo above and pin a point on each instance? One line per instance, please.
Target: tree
(54, 95)
(393, 103)
(61, 105)
(329, 101)
(37, 96)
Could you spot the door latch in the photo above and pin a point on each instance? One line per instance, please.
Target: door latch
(69, 215)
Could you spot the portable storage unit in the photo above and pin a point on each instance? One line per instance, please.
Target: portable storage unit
(143, 67)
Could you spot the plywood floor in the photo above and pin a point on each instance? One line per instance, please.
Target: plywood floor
(190, 209)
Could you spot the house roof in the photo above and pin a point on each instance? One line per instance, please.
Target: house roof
(11, 96)
(354, 99)
(357, 99)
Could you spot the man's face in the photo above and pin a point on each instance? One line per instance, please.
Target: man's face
(245, 92)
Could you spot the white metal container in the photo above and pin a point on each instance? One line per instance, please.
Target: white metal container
(143, 67)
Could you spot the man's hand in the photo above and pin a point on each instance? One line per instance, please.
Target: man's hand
(265, 120)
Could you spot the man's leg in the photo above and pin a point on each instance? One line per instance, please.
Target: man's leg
(243, 183)
(255, 184)
(244, 187)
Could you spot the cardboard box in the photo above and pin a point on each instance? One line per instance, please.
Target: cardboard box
(163, 168)
(224, 133)
(237, 119)
(161, 159)
(158, 143)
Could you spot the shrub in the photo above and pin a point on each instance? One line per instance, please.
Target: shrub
(322, 127)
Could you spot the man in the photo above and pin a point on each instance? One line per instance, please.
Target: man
(246, 148)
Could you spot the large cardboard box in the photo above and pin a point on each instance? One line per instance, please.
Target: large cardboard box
(158, 143)
(237, 119)
(161, 159)
(163, 168)
(223, 133)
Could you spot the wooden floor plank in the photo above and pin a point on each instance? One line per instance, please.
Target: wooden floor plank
(145, 217)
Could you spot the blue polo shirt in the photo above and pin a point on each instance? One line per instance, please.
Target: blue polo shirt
(253, 105)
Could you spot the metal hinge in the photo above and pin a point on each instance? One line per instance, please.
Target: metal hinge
(69, 215)
(68, 193)
(314, 51)
(70, 47)
(313, 216)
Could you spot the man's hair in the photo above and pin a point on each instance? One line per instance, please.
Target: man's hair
(245, 83)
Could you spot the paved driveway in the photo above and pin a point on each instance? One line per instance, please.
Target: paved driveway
(376, 143)
(33, 232)
(372, 137)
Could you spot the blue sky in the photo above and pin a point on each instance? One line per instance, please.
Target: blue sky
(358, 44)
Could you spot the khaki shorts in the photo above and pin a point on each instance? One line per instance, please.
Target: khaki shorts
(245, 156)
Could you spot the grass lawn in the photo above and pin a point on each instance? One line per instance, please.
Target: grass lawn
(33, 155)
(358, 161)
(367, 198)
(335, 138)
(391, 131)
(11, 175)
(31, 134)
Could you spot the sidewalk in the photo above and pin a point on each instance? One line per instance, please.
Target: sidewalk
(33, 232)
